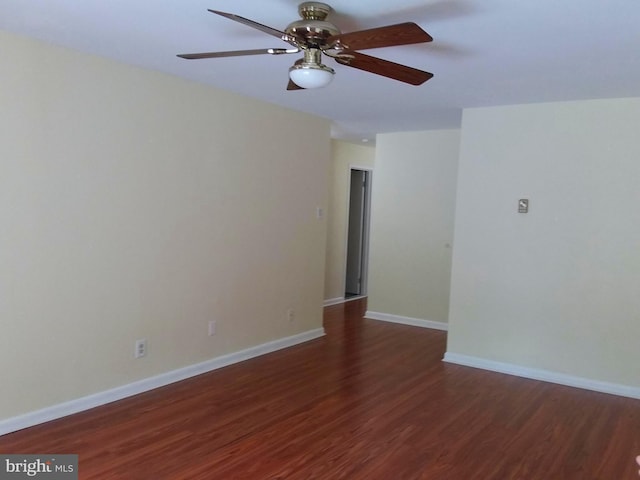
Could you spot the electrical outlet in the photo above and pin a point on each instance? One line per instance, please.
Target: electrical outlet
(141, 348)
(290, 315)
(212, 328)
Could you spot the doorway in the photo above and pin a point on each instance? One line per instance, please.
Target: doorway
(358, 233)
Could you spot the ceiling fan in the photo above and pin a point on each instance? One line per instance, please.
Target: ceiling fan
(314, 36)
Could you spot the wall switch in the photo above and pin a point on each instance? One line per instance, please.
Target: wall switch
(523, 205)
(140, 348)
(319, 213)
(212, 328)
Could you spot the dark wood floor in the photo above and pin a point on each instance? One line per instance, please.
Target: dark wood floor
(371, 400)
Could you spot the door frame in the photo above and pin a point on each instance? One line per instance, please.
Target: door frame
(364, 280)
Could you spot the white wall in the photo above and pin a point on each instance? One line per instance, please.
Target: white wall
(135, 204)
(344, 155)
(413, 207)
(555, 289)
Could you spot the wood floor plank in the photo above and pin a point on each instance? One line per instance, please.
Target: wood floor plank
(371, 400)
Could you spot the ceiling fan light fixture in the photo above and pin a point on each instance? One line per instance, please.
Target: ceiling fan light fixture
(311, 75)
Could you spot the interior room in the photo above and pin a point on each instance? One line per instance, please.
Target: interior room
(167, 218)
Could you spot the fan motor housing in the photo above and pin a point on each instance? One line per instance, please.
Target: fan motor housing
(313, 31)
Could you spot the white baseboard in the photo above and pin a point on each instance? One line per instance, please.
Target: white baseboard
(416, 322)
(332, 301)
(85, 403)
(544, 375)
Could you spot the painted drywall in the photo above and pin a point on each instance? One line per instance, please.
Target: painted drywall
(555, 289)
(138, 205)
(413, 206)
(344, 155)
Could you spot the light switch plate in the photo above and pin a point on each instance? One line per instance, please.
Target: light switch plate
(523, 205)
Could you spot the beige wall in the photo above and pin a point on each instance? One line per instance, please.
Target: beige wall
(412, 224)
(555, 289)
(344, 156)
(135, 204)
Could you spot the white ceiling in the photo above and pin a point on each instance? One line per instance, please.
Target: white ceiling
(484, 53)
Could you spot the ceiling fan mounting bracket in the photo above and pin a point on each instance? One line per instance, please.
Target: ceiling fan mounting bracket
(313, 30)
(314, 10)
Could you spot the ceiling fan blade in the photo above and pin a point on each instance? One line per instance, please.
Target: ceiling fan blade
(238, 53)
(389, 36)
(293, 86)
(251, 23)
(385, 68)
